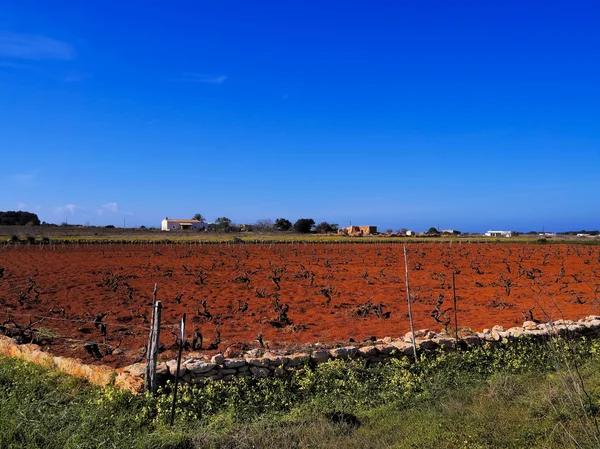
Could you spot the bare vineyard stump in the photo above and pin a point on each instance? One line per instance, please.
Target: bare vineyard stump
(152, 352)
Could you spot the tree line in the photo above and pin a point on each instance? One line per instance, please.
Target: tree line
(302, 225)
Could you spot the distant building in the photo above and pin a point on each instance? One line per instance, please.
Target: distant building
(410, 233)
(175, 224)
(498, 234)
(450, 232)
(358, 231)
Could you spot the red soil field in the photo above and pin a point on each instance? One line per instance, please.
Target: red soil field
(292, 293)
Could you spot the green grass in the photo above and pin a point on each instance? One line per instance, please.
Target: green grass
(509, 397)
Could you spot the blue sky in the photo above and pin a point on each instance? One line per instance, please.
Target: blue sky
(464, 115)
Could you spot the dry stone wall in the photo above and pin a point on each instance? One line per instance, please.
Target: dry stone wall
(262, 364)
(259, 364)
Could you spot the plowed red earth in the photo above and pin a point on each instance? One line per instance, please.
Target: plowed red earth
(331, 292)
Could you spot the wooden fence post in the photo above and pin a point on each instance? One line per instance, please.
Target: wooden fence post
(152, 352)
(410, 316)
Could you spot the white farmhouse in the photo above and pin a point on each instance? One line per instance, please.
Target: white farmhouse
(175, 224)
(498, 234)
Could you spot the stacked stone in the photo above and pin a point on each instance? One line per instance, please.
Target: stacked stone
(197, 371)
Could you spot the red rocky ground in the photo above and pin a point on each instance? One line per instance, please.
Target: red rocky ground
(291, 293)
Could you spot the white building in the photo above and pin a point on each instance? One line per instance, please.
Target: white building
(175, 224)
(498, 234)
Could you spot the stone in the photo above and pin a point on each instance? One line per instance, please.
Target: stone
(368, 351)
(276, 360)
(217, 376)
(162, 369)
(427, 345)
(243, 369)
(497, 329)
(199, 366)
(137, 369)
(445, 343)
(592, 324)
(212, 372)
(218, 359)
(516, 331)
(227, 371)
(386, 349)
(296, 359)
(472, 340)
(261, 363)
(529, 325)
(347, 352)
(227, 377)
(320, 356)
(253, 353)
(419, 334)
(402, 347)
(172, 367)
(260, 372)
(234, 363)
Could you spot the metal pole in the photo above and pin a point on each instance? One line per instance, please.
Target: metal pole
(181, 334)
(455, 312)
(412, 328)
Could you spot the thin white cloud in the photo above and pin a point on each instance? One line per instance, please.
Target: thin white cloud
(70, 208)
(108, 207)
(190, 77)
(33, 47)
(113, 208)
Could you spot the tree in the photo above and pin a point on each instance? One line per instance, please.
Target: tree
(265, 224)
(323, 228)
(334, 227)
(433, 231)
(223, 224)
(199, 217)
(20, 218)
(281, 224)
(304, 225)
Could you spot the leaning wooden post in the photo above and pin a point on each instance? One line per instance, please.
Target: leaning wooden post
(149, 345)
(410, 317)
(152, 356)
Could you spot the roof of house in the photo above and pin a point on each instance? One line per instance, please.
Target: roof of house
(186, 220)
